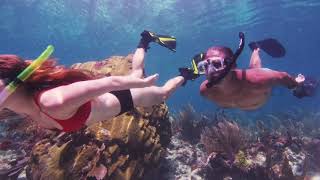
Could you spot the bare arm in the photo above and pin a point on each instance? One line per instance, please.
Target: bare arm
(268, 77)
(284, 79)
(72, 96)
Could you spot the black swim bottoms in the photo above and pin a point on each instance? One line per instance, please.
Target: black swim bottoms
(125, 99)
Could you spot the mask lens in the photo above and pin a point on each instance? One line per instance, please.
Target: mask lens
(202, 67)
(217, 64)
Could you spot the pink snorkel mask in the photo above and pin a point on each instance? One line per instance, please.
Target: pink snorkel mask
(212, 65)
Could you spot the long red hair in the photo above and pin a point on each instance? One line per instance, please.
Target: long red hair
(47, 76)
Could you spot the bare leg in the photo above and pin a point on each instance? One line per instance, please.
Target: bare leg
(148, 96)
(138, 63)
(255, 61)
(142, 97)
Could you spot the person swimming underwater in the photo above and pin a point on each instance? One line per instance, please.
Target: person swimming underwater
(65, 99)
(246, 89)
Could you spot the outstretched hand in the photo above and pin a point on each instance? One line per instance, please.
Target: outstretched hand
(307, 86)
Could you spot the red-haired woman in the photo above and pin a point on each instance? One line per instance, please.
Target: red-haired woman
(69, 99)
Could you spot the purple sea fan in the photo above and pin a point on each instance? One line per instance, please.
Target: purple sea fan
(224, 137)
(189, 124)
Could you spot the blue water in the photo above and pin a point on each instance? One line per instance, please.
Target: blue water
(83, 30)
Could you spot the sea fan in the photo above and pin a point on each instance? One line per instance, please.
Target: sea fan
(224, 137)
(189, 124)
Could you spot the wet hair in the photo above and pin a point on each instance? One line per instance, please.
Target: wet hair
(49, 75)
(222, 51)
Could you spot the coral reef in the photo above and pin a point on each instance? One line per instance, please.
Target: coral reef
(18, 135)
(124, 147)
(113, 66)
(179, 162)
(224, 137)
(227, 150)
(189, 124)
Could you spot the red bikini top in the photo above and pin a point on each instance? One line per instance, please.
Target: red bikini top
(76, 122)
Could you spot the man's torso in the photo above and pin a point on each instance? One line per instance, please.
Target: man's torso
(245, 89)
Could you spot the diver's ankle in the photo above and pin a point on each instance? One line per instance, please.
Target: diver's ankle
(143, 44)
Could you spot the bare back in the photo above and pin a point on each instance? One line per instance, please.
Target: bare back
(244, 89)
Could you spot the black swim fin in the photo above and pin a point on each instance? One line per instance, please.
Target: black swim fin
(188, 74)
(271, 46)
(307, 88)
(163, 40)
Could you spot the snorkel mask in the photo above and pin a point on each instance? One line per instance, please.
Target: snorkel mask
(25, 74)
(211, 65)
(216, 65)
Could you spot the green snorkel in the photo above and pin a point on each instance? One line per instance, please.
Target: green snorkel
(25, 74)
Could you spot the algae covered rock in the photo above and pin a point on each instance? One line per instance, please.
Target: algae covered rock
(123, 147)
(115, 66)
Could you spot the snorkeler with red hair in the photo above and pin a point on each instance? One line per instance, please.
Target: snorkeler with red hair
(246, 89)
(65, 99)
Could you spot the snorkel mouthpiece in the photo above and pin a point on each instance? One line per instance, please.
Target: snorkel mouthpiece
(25, 74)
(229, 64)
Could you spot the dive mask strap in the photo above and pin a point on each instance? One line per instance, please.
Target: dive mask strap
(25, 74)
(232, 62)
